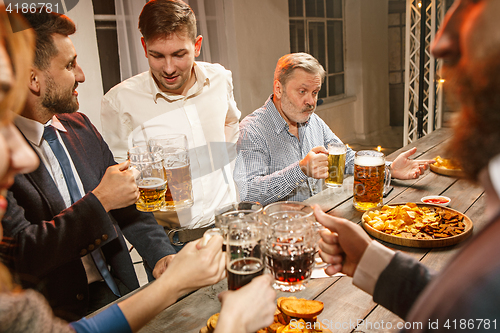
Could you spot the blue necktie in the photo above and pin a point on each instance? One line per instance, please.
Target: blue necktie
(49, 134)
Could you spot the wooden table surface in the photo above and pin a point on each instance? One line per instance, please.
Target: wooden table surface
(345, 304)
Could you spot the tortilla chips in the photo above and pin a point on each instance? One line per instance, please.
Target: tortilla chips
(416, 222)
(446, 163)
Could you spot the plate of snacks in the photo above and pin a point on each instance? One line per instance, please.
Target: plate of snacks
(417, 225)
(446, 167)
(292, 315)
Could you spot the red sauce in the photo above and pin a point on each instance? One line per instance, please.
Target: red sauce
(436, 201)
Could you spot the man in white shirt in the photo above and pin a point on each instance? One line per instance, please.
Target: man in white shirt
(178, 95)
(469, 44)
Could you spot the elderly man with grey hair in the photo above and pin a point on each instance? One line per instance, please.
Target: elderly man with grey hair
(281, 148)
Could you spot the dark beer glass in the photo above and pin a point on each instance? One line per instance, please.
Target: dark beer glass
(290, 244)
(244, 252)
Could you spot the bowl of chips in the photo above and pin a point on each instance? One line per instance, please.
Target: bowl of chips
(446, 167)
(417, 225)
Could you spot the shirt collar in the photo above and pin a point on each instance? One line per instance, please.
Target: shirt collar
(202, 79)
(279, 123)
(33, 130)
(494, 170)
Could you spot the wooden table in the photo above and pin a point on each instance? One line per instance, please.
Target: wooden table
(345, 304)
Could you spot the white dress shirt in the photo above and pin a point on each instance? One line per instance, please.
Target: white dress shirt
(137, 109)
(33, 131)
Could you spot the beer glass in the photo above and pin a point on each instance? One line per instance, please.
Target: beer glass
(244, 252)
(369, 174)
(336, 164)
(151, 177)
(178, 174)
(234, 211)
(290, 244)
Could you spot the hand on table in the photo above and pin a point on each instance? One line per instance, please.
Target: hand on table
(405, 168)
(117, 188)
(194, 267)
(315, 164)
(248, 309)
(342, 247)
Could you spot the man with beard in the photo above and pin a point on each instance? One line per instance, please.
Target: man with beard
(281, 148)
(67, 219)
(467, 289)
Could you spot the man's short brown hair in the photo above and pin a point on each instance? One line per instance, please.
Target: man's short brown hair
(45, 25)
(161, 18)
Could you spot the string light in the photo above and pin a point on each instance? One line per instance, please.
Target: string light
(441, 80)
(419, 5)
(379, 148)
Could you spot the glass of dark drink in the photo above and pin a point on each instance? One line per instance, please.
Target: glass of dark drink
(290, 244)
(234, 212)
(244, 252)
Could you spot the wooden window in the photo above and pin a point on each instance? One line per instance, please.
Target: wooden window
(317, 28)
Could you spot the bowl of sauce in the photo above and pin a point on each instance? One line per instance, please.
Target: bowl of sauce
(436, 200)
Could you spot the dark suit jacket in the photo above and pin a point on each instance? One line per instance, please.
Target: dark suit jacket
(467, 289)
(50, 239)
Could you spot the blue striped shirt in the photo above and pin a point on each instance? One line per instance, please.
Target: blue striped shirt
(267, 166)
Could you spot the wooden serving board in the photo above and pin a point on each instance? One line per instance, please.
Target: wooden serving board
(458, 173)
(425, 243)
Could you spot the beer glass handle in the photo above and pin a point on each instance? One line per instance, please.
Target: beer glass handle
(387, 181)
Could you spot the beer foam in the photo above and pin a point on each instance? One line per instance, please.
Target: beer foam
(369, 161)
(152, 182)
(337, 150)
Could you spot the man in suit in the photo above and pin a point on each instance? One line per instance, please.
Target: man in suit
(67, 219)
(465, 294)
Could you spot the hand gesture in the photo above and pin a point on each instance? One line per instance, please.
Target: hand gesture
(343, 246)
(404, 168)
(117, 188)
(315, 164)
(194, 267)
(161, 265)
(249, 308)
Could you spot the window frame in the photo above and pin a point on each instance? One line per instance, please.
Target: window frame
(324, 20)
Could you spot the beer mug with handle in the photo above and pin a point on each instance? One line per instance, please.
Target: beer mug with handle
(244, 251)
(290, 244)
(371, 176)
(177, 170)
(336, 164)
(150, 178)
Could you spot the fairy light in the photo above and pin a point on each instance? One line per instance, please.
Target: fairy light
(419, 5)
(379, 148)
(441, 80)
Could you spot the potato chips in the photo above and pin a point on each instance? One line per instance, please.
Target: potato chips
(417, 222)
(446, 163)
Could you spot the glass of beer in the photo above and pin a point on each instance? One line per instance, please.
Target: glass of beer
(234, 211)
(244, 252)
(369, 174)
(290, 244)
(336, 164)
(150, 178)
(178, 174)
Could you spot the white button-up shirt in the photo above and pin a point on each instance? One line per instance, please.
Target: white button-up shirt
(137, 109)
